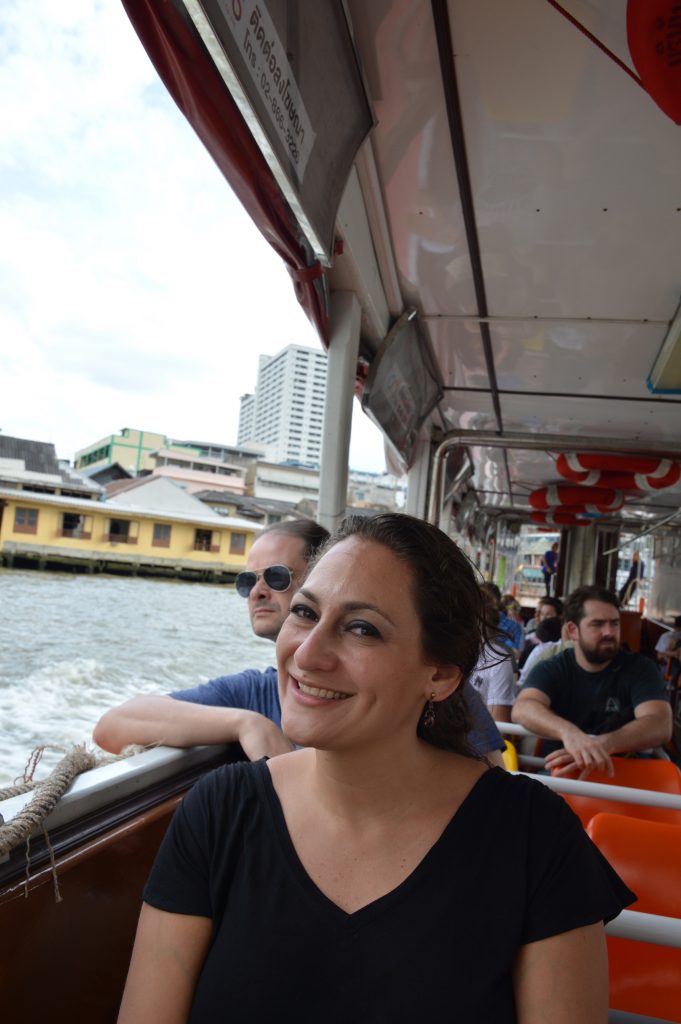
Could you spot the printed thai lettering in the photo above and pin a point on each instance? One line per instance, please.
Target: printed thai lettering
(248, 50)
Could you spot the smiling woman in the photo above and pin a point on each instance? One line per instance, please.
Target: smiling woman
(369, 864)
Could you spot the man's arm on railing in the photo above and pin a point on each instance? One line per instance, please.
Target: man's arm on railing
(651, 727)
(177, 723)
(533, 710)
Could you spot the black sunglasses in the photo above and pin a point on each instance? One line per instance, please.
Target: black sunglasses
(277, 577)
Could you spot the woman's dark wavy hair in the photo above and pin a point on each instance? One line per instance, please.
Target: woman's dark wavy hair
(447, 600)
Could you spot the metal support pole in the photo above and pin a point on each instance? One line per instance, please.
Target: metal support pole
(344, 318)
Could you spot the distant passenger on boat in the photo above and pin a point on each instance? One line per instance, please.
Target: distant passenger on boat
(549, 567)
(244, 707)
(552, 638)
(670, 640)
(361, 878)
(636, 573)
(510, 632)
(493, 678)
(668, 650)
(548, 608)
(595, 700)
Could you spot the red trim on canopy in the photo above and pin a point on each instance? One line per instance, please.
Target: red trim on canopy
(186, 70)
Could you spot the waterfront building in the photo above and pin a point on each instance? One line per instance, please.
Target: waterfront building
(292, 483)
(196, 472)
(286, 411)
(265, 511)
(376, 490)
(33, 465)
(132, 449)
(158, 529)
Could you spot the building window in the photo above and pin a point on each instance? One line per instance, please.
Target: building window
(75, 526)
(119, 532)
(161, 538)
(237, 543)
(203, 541)
(26, 520)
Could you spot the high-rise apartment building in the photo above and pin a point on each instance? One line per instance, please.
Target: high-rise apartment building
(286, 412)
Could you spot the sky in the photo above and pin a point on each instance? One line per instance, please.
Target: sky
(134, 290)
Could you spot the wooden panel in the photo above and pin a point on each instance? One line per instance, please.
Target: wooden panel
(68, 961)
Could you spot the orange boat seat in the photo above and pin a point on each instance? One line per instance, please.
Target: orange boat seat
(644, 978)
(636, 773)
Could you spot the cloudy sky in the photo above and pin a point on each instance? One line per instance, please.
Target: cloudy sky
(134, 291)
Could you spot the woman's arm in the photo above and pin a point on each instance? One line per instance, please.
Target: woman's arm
(563, 978)
(167, 956)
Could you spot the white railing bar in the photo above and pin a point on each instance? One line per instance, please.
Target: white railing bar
(512, 729)
(530, 761)
(632, 924)
(620, 794)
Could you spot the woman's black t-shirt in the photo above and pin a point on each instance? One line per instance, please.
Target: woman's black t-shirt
(512, 866)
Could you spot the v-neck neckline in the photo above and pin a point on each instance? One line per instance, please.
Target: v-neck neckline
(381, 903)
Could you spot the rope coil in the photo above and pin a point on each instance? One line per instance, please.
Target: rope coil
(47, 794)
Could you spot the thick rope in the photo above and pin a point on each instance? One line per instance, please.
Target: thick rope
(49, 791)
(46, 796)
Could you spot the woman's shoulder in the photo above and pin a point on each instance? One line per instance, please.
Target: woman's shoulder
(521, 795)
(231, 786)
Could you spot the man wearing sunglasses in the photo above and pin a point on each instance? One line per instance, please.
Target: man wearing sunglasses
(244, 707)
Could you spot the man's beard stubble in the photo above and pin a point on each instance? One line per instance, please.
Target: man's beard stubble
(599, 654)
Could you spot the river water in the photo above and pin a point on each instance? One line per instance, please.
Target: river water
(72, 646)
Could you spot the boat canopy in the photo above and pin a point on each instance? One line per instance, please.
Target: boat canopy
(505, 195)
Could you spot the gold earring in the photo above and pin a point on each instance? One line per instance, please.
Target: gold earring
(429, 713)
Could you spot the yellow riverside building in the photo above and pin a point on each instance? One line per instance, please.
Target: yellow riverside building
(123, 535)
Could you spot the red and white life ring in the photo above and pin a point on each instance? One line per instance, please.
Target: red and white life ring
(586, 499)
(558, 518)
(622, 472)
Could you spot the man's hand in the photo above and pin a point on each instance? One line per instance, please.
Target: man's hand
(259, 737)
(582, 753)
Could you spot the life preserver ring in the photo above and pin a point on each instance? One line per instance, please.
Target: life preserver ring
(558, 518)
(588, 499)
(622, 472)
(653, 38)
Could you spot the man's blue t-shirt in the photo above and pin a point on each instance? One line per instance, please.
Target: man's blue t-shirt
(512, 633)
(252, 690)
(256, 690)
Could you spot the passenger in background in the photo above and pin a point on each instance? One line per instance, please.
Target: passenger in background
(510, 607)
(244, 707)
(595, 700)
(510, 632)
(548, 608)
(668, 650)
(636, 573)
(552, 637)
(360, 877)
(493, 678)
(549, 567)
